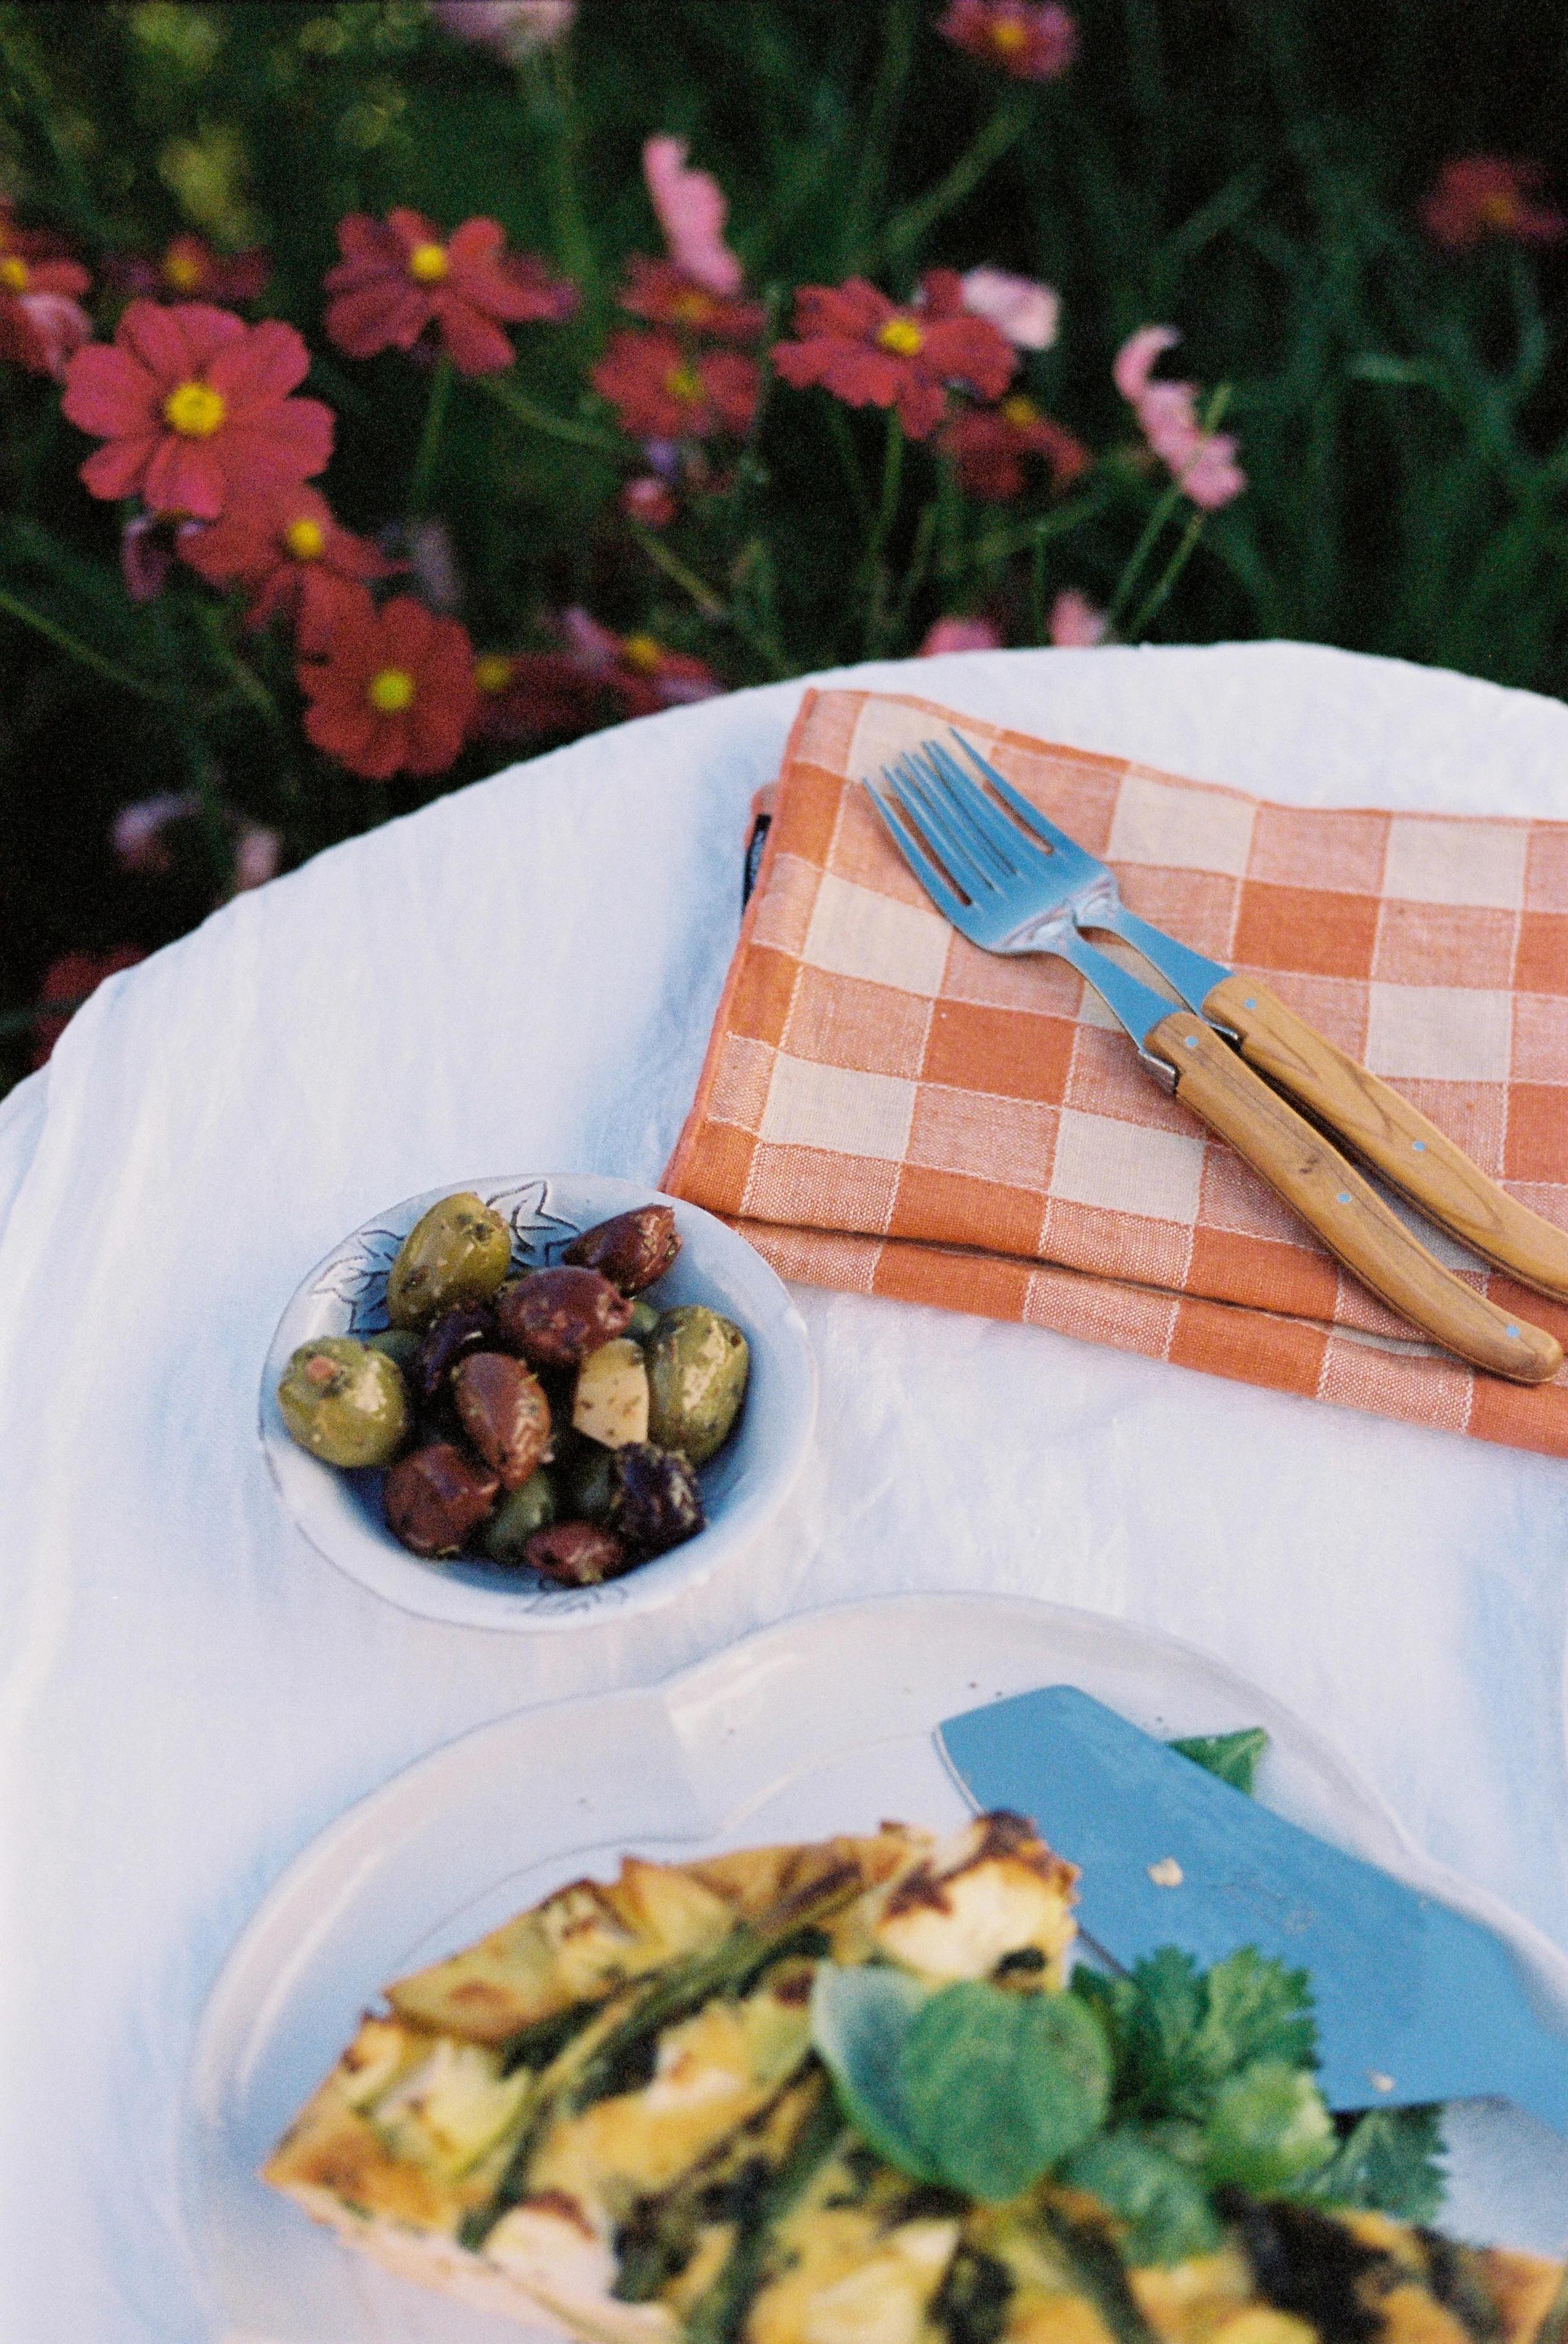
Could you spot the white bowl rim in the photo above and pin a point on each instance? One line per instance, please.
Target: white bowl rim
(375, 1560)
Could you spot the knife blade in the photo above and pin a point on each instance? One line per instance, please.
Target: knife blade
(1415, 2002)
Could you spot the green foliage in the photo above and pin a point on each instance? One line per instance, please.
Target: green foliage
(1233, 1756)
(1250, 175)
(1389, 2160)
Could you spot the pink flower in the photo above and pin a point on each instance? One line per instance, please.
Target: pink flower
(1034, 40)
(149, 543)
(512, 28)
(399, 283)
(1203, 463)
(641, 673)
(666, 296)
(955, 634)
(1023, 310)
(194, 406)
(531, 695)
(42, 331)
(394, 693)
(258, 852)
(1478, 196)
(988, 446)
(289, 558)
(1075, 624)
(692, 211)
(871, 352)
(660, 390)
(140, 832)
(649, 500)
(188, 269)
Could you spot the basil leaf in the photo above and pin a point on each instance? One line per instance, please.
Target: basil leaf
(999, 2087)
(1165, 2209)
(859, 2019)
(1266, 2130)
(1233, 1756)
(1391, 2159)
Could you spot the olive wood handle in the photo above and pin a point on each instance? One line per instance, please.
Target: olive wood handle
(1392, 1135)
(1345, 1209)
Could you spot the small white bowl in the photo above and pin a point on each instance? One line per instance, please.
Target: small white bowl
(743, 1487)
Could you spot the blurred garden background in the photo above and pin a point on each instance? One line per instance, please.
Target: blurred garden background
(392, 389)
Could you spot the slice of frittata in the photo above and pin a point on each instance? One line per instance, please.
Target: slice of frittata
(609, 2113)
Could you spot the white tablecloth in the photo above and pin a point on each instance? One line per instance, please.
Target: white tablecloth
(525, 975)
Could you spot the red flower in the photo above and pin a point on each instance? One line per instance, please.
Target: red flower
(1033, 42)
(292, 559)
(988, 446)
(661, 390)
(194, 405)
(398, 282)
(637, 669)
(870, 352)
(649, 500)
(526, 695)
(1478, 196)
(42, 322)
(188, 269)
(70, 979)
(662, 292)
(394, 692)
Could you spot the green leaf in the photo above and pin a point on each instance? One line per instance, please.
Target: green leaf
(1000, 2087)
(1166, 2208)
(1391, 2162)
(859, 2019)
(1257, 2009)
(1267, 2130)
(1233, 1756)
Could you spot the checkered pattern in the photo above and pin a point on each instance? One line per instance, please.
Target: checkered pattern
(885, 1108)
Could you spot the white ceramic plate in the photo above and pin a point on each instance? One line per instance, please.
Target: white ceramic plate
(743, 1487)
(824, 1723)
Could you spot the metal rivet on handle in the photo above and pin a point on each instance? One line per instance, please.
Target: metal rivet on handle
(1513, 1334)
(1419, 1146)
(1248, 1005)
(1344, 1197)
(1191, 1041)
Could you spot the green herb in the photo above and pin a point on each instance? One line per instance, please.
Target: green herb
(1267, 2128)
(1388, 2161)
(1176, 2033)
(540, 2044)
(1233, 1756)
(623, 2062)
(971, 2305)
(719, 2315)
(1166, 2208)
(970, 2085)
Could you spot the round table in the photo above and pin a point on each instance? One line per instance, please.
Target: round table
(523, 976)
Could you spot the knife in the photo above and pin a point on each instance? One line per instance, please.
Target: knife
(1415, 2002)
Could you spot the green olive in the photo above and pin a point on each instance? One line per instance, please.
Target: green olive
(586, 1475)
(399, 1344)
(644, 1321)
(459, 1253)
(344, 1402)
(697, 1367)
(519, 1513)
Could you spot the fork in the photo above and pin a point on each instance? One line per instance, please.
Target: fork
(1015, 890)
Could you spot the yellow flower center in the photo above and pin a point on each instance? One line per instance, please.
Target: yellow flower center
(391, 691)
(14, 274)
(643, 652)
(1499, 209)
(493, 671)
(306, 539)
(682, 382)
(183, 270)
(902, 335)
(194, 410)
(691, 308)
(1020, 412)
(427, 264)
(1008, 37)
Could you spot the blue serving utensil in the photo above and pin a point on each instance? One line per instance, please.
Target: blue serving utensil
(1415, 2002)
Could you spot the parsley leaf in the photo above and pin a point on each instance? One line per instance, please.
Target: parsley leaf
(1233, 1756)
(1267, 2130)
(1257, 2009)
(1166, 2208)
(1390, 2161)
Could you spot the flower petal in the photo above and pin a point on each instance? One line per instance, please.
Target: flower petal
(115, 470)
(1134, 360)
(184, 477)
(271, 361)
(107, 392)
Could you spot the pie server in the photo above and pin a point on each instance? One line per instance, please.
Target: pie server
(1415, 2002)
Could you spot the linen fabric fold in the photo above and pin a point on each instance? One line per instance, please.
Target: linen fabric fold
(886, 1108)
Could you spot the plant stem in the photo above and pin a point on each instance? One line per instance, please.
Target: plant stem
(430, 437)
(1162, 512)
(1168, 576)
(107, 668)
(1024, 535)
(907, 227)
(554, 427)
(913, 576)
(876, 569)
(893, 73)
(844, 440)
(711, 605)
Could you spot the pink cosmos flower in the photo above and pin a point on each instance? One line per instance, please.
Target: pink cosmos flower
(1034, 40)
(649, 500)
(666, 296)
(194, 406)
(955, 634)
(692, 211)
(289, 557)
(1478, 196)
(1075, 624)
(988, 447)
(188, 269)
(662, 391)
(640, 670)
(140, 832)
(514, 29)
(1023, 310)
(399, 283)
(42, 331)
(258, 852)
(1203, 463)
(870, 351)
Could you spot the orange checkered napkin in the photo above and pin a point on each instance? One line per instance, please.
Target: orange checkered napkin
(887, 1108)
